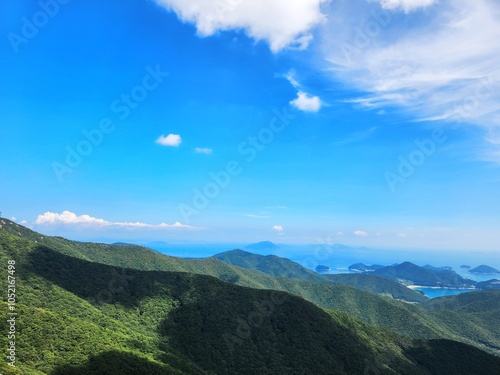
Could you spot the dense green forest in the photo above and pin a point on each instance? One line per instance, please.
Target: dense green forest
(86, 308)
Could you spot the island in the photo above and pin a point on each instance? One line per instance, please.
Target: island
(322, 268)
(484, 269)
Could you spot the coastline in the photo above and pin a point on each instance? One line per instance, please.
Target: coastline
(439, 287)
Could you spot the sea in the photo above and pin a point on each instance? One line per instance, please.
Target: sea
(339, 257)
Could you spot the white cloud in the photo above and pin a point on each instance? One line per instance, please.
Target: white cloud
(203, 150)
(13, 218)
(278, 228)
(257, 216)
(360, 233)
(281, 23)
(306, 102)
(406, 5)
(70, 218)
(445, 67)
(173, 140)
(303, 101)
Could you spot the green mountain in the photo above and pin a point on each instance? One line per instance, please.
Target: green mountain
(372, 308)
(378, 285)
(488, 285)
(83, 317)
(268, 264)
(410, 273)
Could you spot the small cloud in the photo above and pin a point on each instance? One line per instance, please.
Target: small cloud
(203, 150)
(303, 101)
(173, 140)
(339, 233)
(360, 233)
(402, 235)
(257, 216)
(306, 102)
(278, 228)
(13, 218)
(72, 219)
(23, 222)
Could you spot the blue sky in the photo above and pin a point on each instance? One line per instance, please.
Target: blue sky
(369, 123)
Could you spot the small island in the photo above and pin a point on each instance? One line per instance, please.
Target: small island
(484, 270)
(322, 268)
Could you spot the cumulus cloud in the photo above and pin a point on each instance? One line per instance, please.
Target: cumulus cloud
(173, 140)
(203, 150)
(72, 219)
(281, 23)
(278, 228)
(444, 67)
(406, 5)
(361, 233)
(306, 102)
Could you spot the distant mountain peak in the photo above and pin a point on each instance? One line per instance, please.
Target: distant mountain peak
(262, 246)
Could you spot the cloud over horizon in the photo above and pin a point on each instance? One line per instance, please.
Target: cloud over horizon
(72, 219)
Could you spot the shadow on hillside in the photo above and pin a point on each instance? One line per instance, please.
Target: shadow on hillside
(103, 284)
(444, 357)
(119, 363)
(228, 330)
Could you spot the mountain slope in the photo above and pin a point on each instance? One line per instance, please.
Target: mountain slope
(412, 274)
(378, 285)
(84, 317)
(403, 318)
(268, 264)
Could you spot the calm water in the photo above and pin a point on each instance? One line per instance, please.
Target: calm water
(434, 293)
(340, 259)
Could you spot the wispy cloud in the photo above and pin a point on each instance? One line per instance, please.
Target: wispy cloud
(203, 150)
(173, 140)
(357, 136)
(442, 67)
(281, 23)
(257, 216)
(71, 219)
